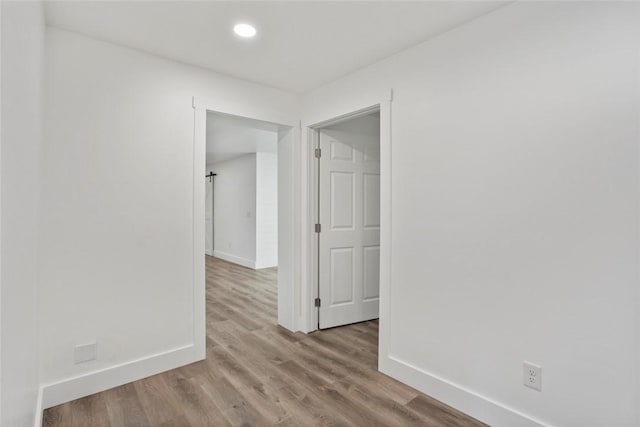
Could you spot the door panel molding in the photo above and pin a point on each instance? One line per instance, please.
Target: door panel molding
(348, 178)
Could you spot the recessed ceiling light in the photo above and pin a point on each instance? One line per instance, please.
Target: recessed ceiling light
(244, 30)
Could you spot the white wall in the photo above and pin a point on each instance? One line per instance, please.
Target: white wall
(289, 226)
(266, 210)
(117, 206)
(22, 62)
(515, 211)
(246, 210)
(234, 216)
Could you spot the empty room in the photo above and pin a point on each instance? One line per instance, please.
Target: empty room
(301, 213)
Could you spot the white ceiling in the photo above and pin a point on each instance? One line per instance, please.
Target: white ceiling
(299, 45)
(231, 136)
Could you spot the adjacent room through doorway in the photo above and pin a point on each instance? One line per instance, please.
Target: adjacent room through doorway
(241, 204)
(241, 225)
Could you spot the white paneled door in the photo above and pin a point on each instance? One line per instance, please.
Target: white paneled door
(349, 239)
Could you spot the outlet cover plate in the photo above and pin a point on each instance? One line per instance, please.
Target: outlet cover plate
(85, 352)
(532, 375)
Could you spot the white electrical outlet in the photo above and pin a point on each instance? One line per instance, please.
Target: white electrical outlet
(532, 375)
(85, 352)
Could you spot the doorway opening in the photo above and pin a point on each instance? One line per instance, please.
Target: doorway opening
(246, 212)
(241, 202)
(347, 169)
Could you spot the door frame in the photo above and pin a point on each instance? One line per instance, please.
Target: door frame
(287, 236)
(212, 181)
(311, 123)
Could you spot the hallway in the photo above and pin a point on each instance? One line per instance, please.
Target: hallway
(259, 374)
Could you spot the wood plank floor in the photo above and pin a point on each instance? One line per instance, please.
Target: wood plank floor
(258, 374)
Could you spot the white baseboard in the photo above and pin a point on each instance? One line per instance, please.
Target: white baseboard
(260, 266)
(456, 396)
(235, 259)
(480, 407)
(93, 382)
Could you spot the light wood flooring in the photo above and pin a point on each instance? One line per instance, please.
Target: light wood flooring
(259, 374)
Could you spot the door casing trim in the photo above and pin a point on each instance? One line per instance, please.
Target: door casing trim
(311, 123)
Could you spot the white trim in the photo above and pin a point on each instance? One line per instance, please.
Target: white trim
(235, 259)
(311, 122)
(386, 205)
(468, 401)
(309, 313)
(637, 308)
(245, 110)
(103, 379)
(345, 107)
(265, 265)
(347, 116)
(199, 200)
(37, 422)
